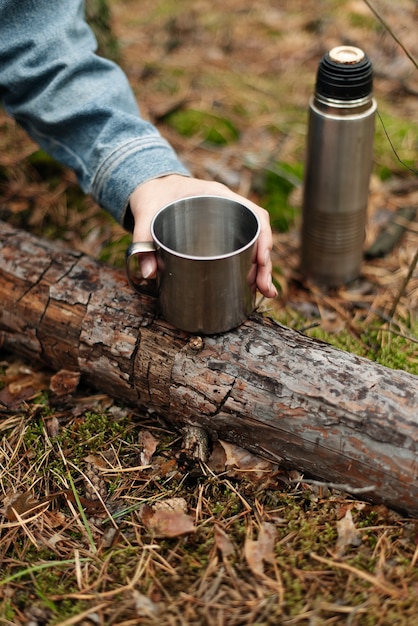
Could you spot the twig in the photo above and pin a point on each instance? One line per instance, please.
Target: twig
(392, 331)
(390, 31)
(394, 150)
(413, 61)
(404, 285)
(80, 616)
(387, 588)
(37, 567)
(391, 234)
(85, 523)
(339, 487)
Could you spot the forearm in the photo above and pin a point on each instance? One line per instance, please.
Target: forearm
(78, 106)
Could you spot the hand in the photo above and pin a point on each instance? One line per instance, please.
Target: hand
(149, 197)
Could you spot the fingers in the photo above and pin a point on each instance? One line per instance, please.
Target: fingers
(149, 197)
(264, 247)
(147, 264)
(144, 207)
(264, 279)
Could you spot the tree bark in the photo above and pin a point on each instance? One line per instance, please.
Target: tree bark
(330, 414)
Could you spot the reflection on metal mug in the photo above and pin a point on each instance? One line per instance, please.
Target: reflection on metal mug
(205, 247)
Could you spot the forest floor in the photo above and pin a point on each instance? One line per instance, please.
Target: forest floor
(88, 538)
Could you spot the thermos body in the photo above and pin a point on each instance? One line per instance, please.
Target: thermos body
(339, 159)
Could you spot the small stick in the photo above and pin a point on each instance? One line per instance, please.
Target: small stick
(404, 284)
(389, 29)
(391, 234)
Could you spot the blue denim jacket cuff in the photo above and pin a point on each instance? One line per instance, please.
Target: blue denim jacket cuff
(130, 165)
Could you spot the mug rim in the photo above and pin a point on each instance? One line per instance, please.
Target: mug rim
(216, 257)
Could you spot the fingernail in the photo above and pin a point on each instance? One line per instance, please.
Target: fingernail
(271, 286)
(147, 268)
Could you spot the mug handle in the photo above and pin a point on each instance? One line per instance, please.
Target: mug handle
(133, 273)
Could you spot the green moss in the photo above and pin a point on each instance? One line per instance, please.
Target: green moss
(7, 611)
(96, 430)
(207, 125)
(275, 186)
(394, 133)
(46, 166)
(113, 252)
(67, 609)
(34, 436)
(377, 344)
(384, 172)
(294, 593)
(368, 22)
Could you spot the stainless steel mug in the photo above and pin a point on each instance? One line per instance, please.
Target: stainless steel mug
(338, 167)
(205, 247)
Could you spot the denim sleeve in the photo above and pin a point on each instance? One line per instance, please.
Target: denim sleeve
(76, 105)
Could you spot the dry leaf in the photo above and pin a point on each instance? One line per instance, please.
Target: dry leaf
(53, 539)
(55, 519)
(223, 542)
(171, 504)
(97, 461)
(348, 535)
(260, 551)
(149, 444)
(164, 467)
(245, 461)
(17, 504)
(17, 369)
(144, 606)
(217, 459)
(109, 537)
(117, 412)
(52, 426)
(64, 383)
(21, 383)
(167, 519)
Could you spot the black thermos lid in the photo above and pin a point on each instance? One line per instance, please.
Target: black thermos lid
(345, 73)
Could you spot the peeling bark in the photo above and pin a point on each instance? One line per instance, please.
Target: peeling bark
(330, 414)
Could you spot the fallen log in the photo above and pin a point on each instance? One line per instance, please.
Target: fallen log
(330, 414)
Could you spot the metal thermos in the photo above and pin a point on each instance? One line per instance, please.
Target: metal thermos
(338, 167)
